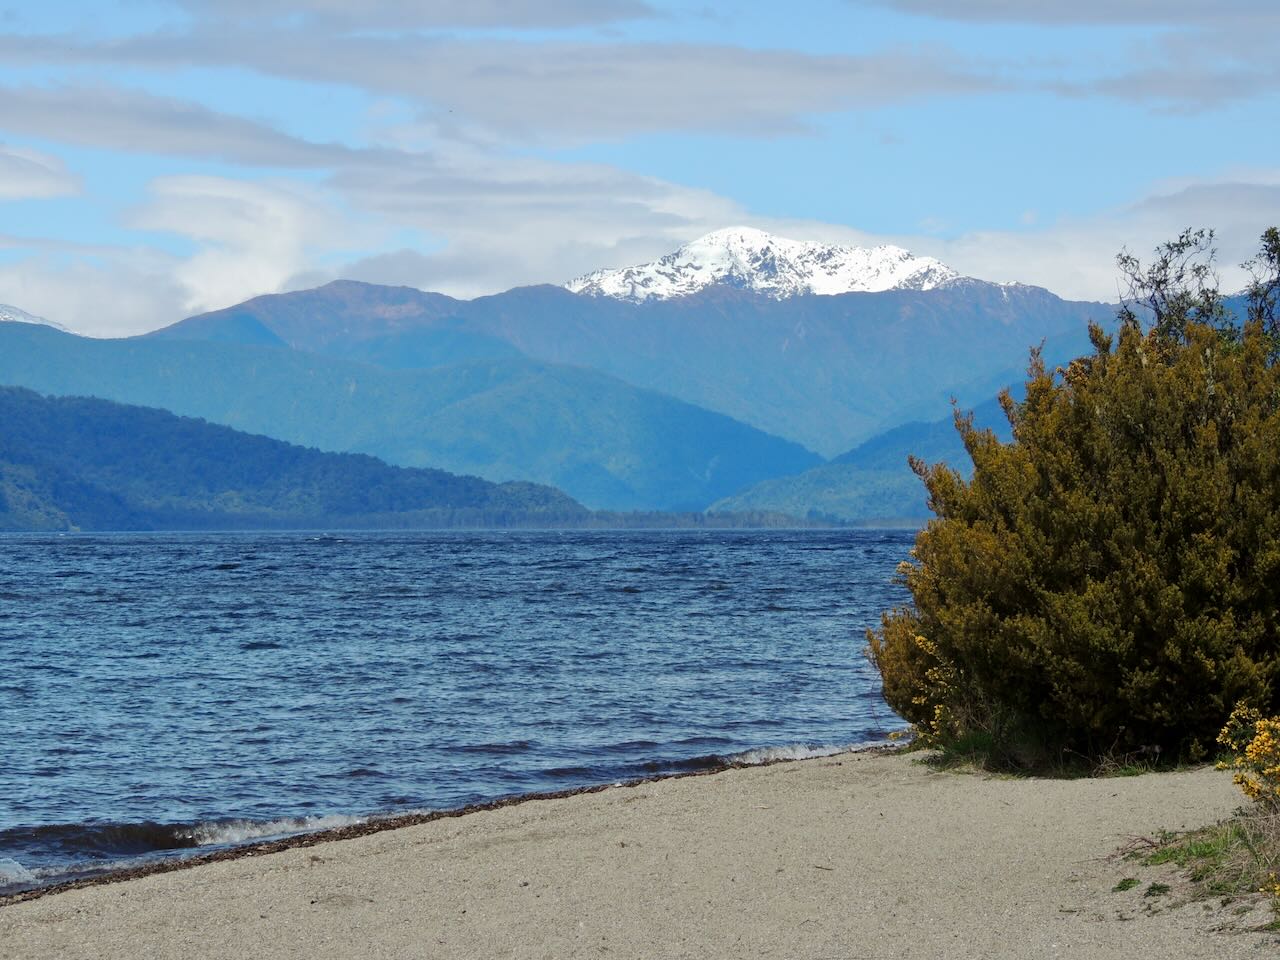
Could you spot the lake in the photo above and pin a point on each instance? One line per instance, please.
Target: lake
(166, 693)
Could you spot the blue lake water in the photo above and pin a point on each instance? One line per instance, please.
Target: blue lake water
(167, 692)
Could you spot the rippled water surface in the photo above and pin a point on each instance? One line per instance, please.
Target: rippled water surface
(162, 691)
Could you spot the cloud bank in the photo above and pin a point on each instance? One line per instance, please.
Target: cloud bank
(465, 171)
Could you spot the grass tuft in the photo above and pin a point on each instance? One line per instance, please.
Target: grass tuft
(1236, 858)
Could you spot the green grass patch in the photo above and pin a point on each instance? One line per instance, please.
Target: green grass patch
(1205, 852)
(1128, 883)
(1126, 770)
(1231, 859)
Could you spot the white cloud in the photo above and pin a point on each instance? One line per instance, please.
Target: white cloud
(554, 92)
(109, 293)
(251, 236)
(418, 14)
(27, 174)
(135, 121)
(545, 223)
(514, 221)
(1182, 56)
(558, 92)
(502, 219)
(1076, 258)
(1143, 12)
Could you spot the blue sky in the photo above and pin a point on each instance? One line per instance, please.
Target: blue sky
(163, 157)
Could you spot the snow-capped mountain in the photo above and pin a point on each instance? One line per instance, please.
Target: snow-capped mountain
(775, 266)
(10, 314)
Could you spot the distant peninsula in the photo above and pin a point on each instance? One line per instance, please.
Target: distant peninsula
(85, 464)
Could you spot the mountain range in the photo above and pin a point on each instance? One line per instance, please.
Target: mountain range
(749, 359)
(827, 371)
(605, 442)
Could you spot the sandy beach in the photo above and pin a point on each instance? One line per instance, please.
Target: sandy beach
(853, 857)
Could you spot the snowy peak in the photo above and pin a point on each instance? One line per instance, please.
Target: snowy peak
(775, 266)
(10, 314)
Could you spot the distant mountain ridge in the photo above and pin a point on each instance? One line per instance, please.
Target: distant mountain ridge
(338, 314)
(670, 403)
(777, 267)
(608, 444)
(823, 371)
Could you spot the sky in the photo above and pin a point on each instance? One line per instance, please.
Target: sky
(160, 158)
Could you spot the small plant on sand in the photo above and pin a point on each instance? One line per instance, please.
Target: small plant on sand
(1240, 856)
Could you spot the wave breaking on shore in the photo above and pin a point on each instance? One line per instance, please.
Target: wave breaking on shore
(94, 853)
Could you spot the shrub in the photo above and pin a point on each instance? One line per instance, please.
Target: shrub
(1108, 583)
(1254, 742)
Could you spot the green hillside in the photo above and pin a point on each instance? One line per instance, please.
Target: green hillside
(873, 481)
(76, 463)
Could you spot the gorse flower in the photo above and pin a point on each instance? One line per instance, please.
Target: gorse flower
(1254, 742)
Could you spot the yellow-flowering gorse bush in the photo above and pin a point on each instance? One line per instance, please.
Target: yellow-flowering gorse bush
(1254, 743)
(1108, 583)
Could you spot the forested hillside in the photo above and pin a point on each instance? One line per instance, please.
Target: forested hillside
(91, 464)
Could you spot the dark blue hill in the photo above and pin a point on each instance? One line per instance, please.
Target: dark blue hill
(80, 463)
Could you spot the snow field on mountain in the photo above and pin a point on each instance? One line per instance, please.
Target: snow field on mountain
(778, 267)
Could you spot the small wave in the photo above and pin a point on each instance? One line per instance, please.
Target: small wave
(92, 850)
(113, 841)
(261, 645)
(708, 761)
(218, 833)
(12, 872)
(97, 840)
(791, 751)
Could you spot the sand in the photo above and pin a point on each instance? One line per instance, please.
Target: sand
(855, 857)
